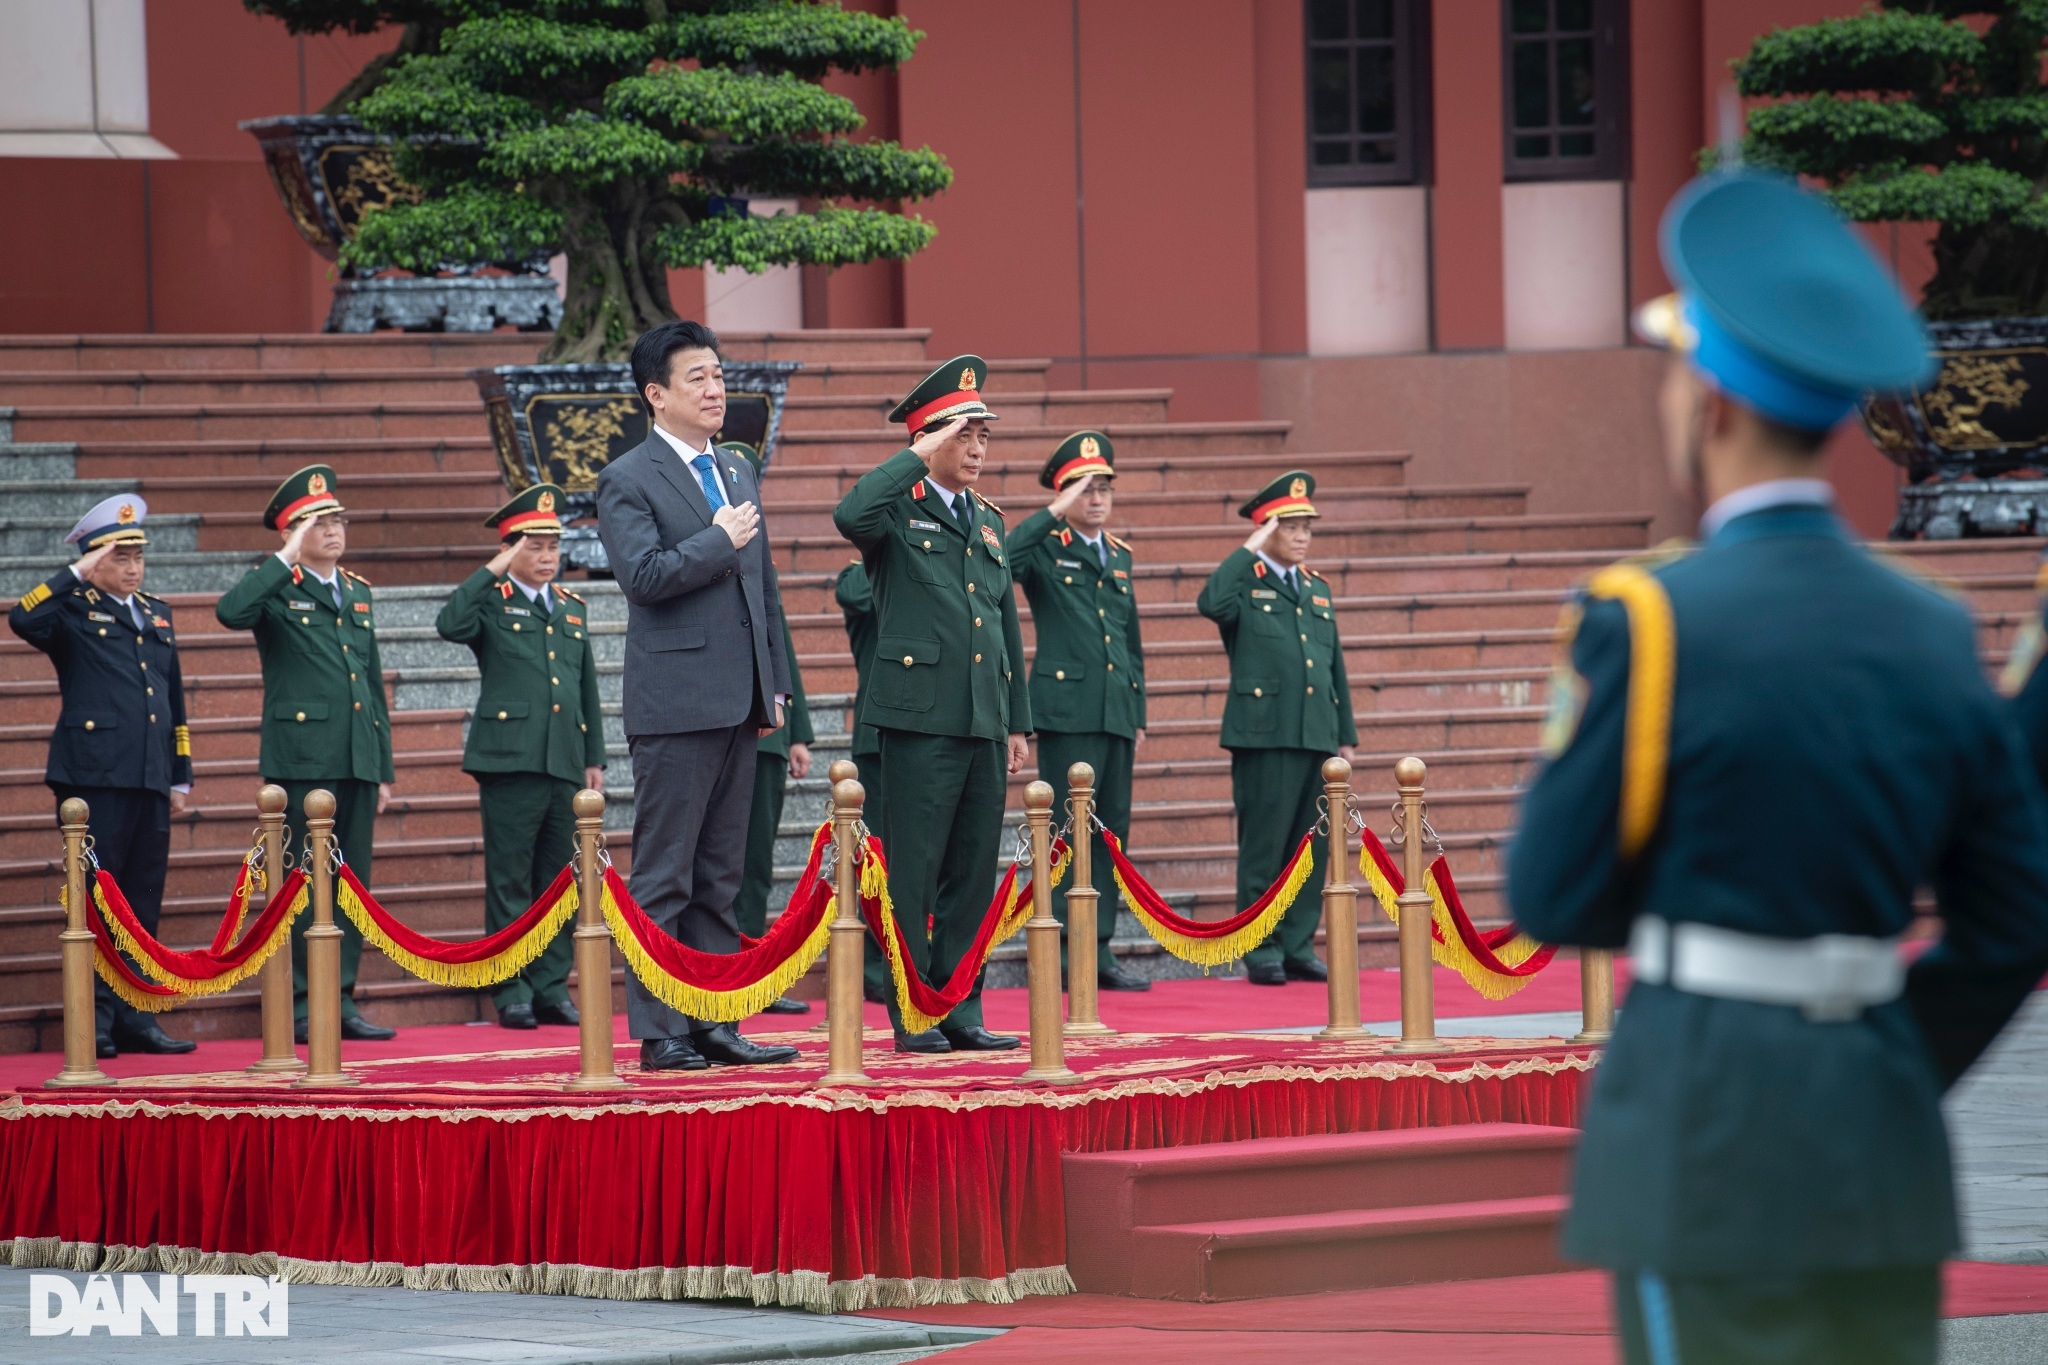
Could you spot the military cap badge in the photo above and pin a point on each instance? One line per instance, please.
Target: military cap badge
(1082, 454)
(111, 521)
(1290, 495)
(531, 512)
(952, 390)
(307, 493)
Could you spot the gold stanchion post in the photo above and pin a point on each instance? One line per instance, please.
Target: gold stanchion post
(323, 952)
(1596, 995)
(1042, 949)
(81, 1061)
(848, 940)
(1418, 984)
(842, 770)
(1340, 909)
(279, 1053)
(597, 1067)
(1083, 906)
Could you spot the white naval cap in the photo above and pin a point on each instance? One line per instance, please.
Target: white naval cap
(112, 521)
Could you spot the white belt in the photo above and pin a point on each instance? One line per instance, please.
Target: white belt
(1831, 978)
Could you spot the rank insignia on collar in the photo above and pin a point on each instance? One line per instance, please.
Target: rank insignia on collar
(988, 533)
(1066, 537)
(297, 573)
(1259, 569)
(505, 590)
(917, 490)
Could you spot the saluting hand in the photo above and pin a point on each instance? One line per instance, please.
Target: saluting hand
(502, 561)
(1070, 495)
(295, 542)
(924, 445)
(90, 561)
(1020, 750)
(1261, 536)
(739, 520)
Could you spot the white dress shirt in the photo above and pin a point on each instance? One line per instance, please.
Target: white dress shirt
(1757, 496)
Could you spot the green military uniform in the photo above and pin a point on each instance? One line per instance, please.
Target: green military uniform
(947, 687)
(1088, 675)
(856, 598)
(1758, 752)
(537, 728)
(771, 786)
(1288, 711)
(325, 721)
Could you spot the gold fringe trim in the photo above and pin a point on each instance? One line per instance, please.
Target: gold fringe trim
(874, 887)
(1450, 951)
(1652, 675)
(148, 1002)
(721, 1007)
(1214, 952)
(808, 1289)
(489, 971)
(185, 986)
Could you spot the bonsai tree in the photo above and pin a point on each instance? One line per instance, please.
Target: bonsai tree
(1908, 114)
(624, 133)
(420, 24)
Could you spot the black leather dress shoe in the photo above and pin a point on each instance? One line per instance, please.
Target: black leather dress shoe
(1115, 978)
(518, 1016)
(299, 1030)
(363, 1031)
(723, 1046)
(103, 1047)
(931, 1041)
(1265, 973)
(1311, 970)
(670, 1054)
(559, 1013)
(150, 1037)
(975, 1038)
(785, 1005)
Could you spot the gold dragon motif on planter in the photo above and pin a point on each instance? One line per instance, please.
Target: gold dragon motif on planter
(579, 439)
(1971, 385)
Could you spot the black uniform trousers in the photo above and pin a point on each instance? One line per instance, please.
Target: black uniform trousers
(1111, 756)
(131, 836)
(690, 814)
(1884, 1316)
(875, 979)
(355, 829)
(529, 833)
(942, 830)
(1276, 791)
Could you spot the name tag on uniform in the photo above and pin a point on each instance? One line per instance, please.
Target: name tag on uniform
(575, 620)
(1320, 601)
(1069, 563)
(1264, 592)
(917, 525)
(517, 611)
(300, 606)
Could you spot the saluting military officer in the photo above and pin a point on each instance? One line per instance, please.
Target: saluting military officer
(1758, 751)
(1088, 676)
(537, 735)
(784, 753)
(1289, 709)
(121, 742)
(947, 692)
(856, 599)
(325, 722)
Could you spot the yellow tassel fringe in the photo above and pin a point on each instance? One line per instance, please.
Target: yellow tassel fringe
(483, 972)
(185, 986)
(1450, 951)
(1215, 952)
(874, 886)
(721, 1007)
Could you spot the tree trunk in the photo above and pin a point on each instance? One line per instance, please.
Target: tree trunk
(618, 285)
(1992, 271)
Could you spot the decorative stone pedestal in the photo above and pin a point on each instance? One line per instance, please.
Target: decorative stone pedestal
(466, 303)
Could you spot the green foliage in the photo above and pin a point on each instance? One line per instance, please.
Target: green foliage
(612, 129)
(1910, 114)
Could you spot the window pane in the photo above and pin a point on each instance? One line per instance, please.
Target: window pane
(1575, 144)
(1330, 77)
(1326, 19)
(1333, 154)
(1527, 148)
(1381, 153)
(1575, 82)
(1375, 18)
(1532, 85)
(1575, 16)
(1376, 89)
(1531, 16)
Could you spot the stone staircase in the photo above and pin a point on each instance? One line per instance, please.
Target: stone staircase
(1447, 597)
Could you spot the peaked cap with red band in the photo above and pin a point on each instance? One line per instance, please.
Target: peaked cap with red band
(537, 511)
(952, 390)
(1082, 454)
(308, 493)
(1286, 496)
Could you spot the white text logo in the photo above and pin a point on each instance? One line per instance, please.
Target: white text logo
(223, 1305)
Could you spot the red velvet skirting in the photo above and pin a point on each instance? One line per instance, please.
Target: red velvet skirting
(886, 1197)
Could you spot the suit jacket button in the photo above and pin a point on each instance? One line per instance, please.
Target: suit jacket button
(1060, 673)
(515, 625)
(88, 724)
(977, 620)
(1112, 668)
(970, 587)
(977, 658)
(745, 622)
(558, 706)
(150, 691)
(103, 630)
(907, 661)
(927, 545)
(1258, 691)
(1311, 691)
(302, 715)
(359, 706)
(152, 720)
(556, 681)
(501, 715)
(551, 630)
(1070, 578)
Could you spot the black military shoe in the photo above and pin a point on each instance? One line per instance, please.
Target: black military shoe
(103, 1046)
(518, 1016)
(150, 1037)
(723, 1046)
(1115, 978)
(363, 1031)
(561, 1012)
(785, 1005)
(1265, 973)
(1311, 970)
(975, 1038)
(930, 1041)
(670, 1054)
(299, 1029)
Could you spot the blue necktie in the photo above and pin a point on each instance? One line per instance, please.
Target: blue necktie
(707, 475)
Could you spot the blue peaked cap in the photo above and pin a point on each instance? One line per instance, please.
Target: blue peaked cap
(1785, 307)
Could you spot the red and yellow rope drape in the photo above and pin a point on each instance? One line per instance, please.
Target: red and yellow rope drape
(921, 1004)
(479, 962)
(1496, 962)
(167, 975)
(727, 987)
(1214, 942)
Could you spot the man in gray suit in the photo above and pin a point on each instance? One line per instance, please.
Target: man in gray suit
(705, 672)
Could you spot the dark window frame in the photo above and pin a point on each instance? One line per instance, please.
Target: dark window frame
(1610, 127)
(1410, 47)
